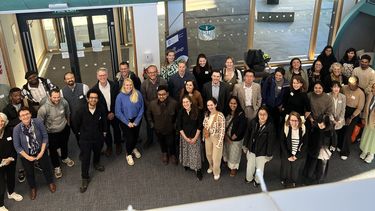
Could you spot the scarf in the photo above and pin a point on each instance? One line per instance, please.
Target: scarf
(32, 143)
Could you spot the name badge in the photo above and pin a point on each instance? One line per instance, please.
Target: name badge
(206, 72)
(100, 117)
(291, 94)
(2, 96)
(279, 87)
(353, 97)
(61, 112)
(80, 97)
(9, 138)
(339, 101)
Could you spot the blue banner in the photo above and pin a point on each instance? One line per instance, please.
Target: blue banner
(178, 42)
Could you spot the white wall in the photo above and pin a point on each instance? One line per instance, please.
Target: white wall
(37, 39)
(146, 35)
(14, 49)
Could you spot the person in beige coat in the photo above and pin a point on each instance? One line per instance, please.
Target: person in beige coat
(368, 136)
(249, 94)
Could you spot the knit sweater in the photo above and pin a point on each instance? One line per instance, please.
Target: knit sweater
(320, 104)
(366, 78)
(126, 111)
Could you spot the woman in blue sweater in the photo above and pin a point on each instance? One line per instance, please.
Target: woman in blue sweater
(129, 110)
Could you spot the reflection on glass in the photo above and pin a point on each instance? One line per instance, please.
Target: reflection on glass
(100, 27)
(81, 31)
(50, 33)
(282, 37)
(324, 25)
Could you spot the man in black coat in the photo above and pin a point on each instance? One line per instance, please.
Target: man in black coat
(218, 90)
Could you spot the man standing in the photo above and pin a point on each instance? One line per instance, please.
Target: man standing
(75, 94)
(126, 73)
(365, 74)
(36, 89)
(149, 89)
(55, 114)
(161, 115)
(108, 91)
(216, 89)
(177, 81)
(249, 94)
(91, 124)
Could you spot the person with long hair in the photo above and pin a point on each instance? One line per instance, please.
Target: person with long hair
(314, 74)
(293, 143)
(258, 144)
(170, 65)
(349, 61)
(367, 145)
(327, 58)
(230, 75)
(295, 68)
(214, 131)
(8, 159)
(202, 71)
(190, 89)
(129, 110)
(335, 75)
(320, 103)
(189, 126)
(235, 129)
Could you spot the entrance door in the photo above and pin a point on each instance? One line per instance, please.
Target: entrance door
(77, 41)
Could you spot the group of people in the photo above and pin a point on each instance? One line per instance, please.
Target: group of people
(306, 115)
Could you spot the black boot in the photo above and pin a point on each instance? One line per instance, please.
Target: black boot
(199, 174)
(84, 185)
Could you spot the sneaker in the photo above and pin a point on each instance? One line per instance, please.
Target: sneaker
(130, 160)
(3, 208)
(136, 153)
(369, 158)
(209, 171)
(58, 172)
(343, 157)
(69, 162)
(15, 196)
(363, 155)
(217, 177)
(21, 175)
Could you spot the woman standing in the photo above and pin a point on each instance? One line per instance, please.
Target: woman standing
(30, 140)
(191, 90)
(274, 89)
(202, 71)
(170, 65)
(129, 110)
(236, 124)
(230, 74)
(339, 103)
(368, 137)
(189, 125)
(258, 144)
(335, 75)
(214, 131)
(8, 160)
(293, 145)
(314, 74)
(349, 61)
(327, 58)
(320, 103)
(296, 69)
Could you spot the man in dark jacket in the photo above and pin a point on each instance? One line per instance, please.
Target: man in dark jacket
(91, 124)
(161, 115)
(126, 73)
(218, 90)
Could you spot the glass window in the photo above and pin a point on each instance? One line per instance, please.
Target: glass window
(283, 30)
(51, 36)
(100, 27)
(324, 25)
(81, 31)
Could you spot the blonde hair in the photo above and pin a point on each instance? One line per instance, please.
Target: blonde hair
(336, 64)
(134, 93)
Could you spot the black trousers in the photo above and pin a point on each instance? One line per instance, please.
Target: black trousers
(131, 137)
(345, 143)
(290, 171)
(116, 130)
(86, 149)
(7, 177)
(167, 143)
(45, 164)
(150, 134)
(56, 141)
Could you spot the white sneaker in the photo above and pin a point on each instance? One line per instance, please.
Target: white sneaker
(15, 196)
(69, 162)
(217, 177)
(58, 172)
(369, 158)
(363, 155)
(3, 208)
(344, 157)
(136, 153)
(209, 171)
(130, 160)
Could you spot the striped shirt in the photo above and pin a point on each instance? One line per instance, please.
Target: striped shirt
(295, 141)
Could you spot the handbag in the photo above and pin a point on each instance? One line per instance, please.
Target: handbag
(206, 132)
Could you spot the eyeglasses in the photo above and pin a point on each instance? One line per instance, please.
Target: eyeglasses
(292, 120)
(93, 97)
